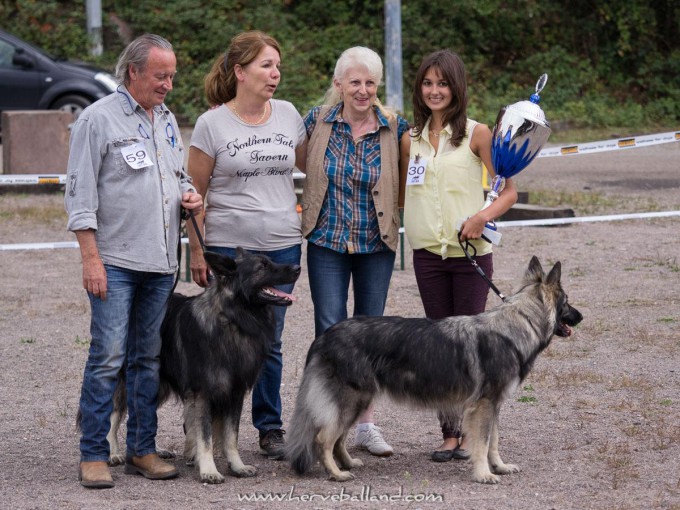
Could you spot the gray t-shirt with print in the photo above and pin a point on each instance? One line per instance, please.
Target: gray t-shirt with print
(251, 198)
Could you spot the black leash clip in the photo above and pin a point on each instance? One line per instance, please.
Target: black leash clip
(470, 256)
(189, 214)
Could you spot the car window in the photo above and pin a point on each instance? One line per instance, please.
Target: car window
(6, 55)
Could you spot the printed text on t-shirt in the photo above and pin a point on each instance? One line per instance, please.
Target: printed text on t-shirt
(279, 139)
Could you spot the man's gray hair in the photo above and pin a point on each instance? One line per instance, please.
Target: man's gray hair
(137, 53)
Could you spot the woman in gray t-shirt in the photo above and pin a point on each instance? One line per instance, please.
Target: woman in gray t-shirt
(242, 156)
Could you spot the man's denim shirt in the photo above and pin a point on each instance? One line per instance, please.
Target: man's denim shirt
(135, 211)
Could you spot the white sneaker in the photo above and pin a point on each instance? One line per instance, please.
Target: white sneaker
(373, 441)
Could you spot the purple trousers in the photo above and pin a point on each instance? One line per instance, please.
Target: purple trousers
(447, 288)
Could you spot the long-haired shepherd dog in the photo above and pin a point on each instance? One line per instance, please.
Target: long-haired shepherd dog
(472, 363)
(214, 347)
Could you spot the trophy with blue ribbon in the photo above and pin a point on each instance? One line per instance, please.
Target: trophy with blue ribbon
(520, 132)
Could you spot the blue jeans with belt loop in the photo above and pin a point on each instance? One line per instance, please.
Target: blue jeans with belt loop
(266, 409)
(329, 276)
(125, 330)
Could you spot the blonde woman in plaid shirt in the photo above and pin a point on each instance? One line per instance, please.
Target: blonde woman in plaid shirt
(350, 214)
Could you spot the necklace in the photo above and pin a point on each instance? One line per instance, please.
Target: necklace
(259, 121)
(363, 123)
(360, 125)
(435, 132)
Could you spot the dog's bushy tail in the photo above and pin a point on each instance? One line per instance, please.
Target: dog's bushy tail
(300, 448)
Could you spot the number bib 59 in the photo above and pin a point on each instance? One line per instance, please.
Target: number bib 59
(136, 156)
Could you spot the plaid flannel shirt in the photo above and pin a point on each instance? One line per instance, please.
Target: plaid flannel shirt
(348, 222)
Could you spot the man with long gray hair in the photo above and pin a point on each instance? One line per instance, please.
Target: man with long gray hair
(126, 183)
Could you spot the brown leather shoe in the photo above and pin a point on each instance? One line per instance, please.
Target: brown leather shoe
(95, 475)
(150, 466)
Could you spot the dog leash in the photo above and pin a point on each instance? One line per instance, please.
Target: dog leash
(190, 214)
(185, 215)
(470, 257)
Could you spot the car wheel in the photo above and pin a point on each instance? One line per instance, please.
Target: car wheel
(72, 104)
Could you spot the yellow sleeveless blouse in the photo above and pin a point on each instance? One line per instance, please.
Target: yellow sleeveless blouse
(451, 192)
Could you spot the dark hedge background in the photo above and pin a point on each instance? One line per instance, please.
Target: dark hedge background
(611, 63)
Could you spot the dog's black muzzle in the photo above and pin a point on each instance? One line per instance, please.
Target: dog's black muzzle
(571, 318)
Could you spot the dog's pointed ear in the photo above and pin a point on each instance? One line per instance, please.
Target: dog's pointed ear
(240, 252)
(220, 264)
(534, 272)
(555, 274)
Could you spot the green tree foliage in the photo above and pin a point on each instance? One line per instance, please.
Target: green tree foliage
(57, 27)
(611, 63)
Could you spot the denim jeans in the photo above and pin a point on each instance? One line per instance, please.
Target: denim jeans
(329, 275)
(266, 409)
(125, 330)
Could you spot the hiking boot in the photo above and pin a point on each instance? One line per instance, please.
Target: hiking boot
(150, 466)
(272, 443)
(372, 440)
(95, 475)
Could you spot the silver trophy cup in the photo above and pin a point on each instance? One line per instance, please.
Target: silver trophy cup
(520, 132)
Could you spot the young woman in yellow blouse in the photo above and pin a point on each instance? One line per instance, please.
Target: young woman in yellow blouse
(441, 165)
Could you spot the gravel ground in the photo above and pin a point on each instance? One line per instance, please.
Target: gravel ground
(595, 425)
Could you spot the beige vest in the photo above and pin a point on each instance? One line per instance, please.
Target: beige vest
(385, 192)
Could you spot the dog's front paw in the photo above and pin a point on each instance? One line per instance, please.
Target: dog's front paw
(487, 477)
(117, 459)
(166, 454)
(350, 463)
(341, 476)
(505, 469)
(211, 477)
(244, 471)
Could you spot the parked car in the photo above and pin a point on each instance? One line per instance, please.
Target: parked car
(30, 79)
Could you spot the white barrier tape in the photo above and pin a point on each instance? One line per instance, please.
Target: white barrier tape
(586, 219)
(19, 179)
(566, 150)
(519, 223)
(49, 246)
(611, 145)
(38, 246)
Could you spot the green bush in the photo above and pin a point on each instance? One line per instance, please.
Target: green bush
(612, 63)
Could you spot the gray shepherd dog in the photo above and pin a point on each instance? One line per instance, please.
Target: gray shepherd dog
(471, 363)
(214, 347)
